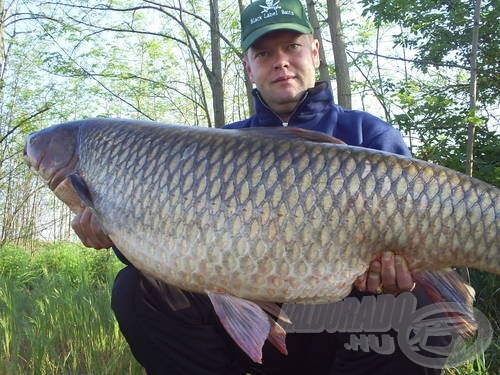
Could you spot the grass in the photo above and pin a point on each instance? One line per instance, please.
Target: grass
(55, 315)
(487, 288)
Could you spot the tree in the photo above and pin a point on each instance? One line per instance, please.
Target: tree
(324, 74)
(185, 56)
(180, 62)
(339, 52)
(440, 34)
(17, 114)
(215, 74)
(473, 86)
(2, 54)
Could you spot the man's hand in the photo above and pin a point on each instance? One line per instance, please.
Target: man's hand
(390, 275)
(87, 227)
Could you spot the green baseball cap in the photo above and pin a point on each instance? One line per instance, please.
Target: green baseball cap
(264, 16)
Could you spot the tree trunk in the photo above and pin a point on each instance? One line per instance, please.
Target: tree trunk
(473, 87)
(339, 54)
(216, 74)
(248, 84)
(324, 75)
(3, 15)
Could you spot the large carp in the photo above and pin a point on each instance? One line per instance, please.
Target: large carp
(282, 214)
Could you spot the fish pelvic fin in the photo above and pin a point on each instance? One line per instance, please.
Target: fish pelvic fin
(277, 336)
(447, 285)
(81, 188)
(274, 310)
(247, 324)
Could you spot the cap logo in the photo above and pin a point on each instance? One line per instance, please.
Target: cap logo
(270, 6)
(270, 10)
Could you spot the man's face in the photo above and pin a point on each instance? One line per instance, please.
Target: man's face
(282, 65)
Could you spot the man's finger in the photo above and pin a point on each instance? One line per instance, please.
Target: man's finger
(404, 277)
(360, 283)
(373, 281)
(89, 230)
(388, 273)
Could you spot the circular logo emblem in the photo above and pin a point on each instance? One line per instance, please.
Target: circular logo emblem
(464, 332)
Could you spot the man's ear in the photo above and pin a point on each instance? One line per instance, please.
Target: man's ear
(315, 53)
(248, 69)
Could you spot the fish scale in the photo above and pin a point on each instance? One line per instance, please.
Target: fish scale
(196, 207)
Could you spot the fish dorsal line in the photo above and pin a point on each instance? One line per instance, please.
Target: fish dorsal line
(293, 133)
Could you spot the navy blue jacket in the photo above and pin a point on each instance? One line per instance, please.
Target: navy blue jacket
(316, 111)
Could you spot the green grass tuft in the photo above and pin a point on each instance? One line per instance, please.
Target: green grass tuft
(55, 314)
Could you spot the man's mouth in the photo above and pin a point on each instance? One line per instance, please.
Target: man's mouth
(283, 79)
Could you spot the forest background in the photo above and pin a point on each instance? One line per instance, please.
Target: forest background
(431, 68)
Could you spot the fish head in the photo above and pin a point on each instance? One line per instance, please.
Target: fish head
(52, 153)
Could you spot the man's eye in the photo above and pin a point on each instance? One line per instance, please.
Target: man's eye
(294, 46)
(261, 54)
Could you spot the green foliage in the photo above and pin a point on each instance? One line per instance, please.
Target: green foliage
(434, 105)
(16, 265)
(441, 34)
(58, 320)
(55, 261)
(437, 115)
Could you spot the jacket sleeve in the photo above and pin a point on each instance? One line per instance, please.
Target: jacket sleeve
(389, 140)
(358, 128)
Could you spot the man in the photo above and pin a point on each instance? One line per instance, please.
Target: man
(280, 58)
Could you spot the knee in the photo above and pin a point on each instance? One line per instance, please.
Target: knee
(123, 296)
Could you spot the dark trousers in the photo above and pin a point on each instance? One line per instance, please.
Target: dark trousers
(192, 340)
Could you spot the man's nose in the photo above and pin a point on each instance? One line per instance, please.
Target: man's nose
(281, 60)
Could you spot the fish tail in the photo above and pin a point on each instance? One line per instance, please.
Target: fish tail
(448, 289)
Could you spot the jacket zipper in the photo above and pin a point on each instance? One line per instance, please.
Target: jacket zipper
(284, 123)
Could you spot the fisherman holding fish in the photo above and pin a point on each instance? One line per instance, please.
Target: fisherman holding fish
(280, 57)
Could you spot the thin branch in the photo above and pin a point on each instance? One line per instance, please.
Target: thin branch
(23, 121)
(414, 61)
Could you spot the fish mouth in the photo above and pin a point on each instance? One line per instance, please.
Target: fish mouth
(50, 168)
(57, 178)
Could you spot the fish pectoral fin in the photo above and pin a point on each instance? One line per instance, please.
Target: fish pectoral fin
(81, 188)
(247, 324)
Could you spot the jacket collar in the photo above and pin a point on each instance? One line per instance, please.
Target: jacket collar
(311, 108)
